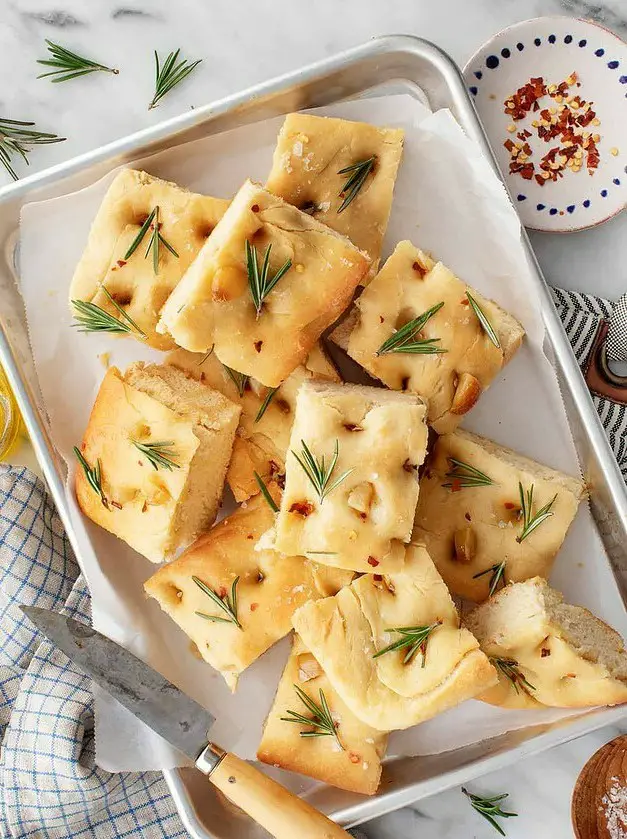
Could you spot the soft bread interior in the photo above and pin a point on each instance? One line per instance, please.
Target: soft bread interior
(215, 419)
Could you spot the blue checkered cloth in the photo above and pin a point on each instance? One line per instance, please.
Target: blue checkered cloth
(50, 787)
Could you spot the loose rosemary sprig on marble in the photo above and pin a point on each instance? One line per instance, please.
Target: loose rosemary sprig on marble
(170, 74)
(532, 520)
(318, 472)
(16, 138)
(92, 318)
(463, 475)
(509, 668)
(483, 320)
(240, 380)
(227, 604)
(159, 455)
(357, 174)
(259, 280)
(413, 639)
(402, 341)
(266, 492)
(68, 65)
(498, 576)
(490, 808)
(93, 475)
(321, 723)
(152, 223)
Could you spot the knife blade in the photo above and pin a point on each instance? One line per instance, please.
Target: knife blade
(185, 724)
(147, 694)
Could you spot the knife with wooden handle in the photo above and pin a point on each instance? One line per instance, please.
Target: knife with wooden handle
(185, 724)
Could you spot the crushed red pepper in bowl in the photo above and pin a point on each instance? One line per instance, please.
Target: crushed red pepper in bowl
(568, 122)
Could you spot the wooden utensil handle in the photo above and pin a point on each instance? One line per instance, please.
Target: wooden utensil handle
(280, 812)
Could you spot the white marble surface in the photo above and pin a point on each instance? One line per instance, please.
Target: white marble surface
(243, 42)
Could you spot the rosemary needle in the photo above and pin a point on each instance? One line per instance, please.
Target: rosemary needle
(93, 475)
(318, 472)
(158, 454)
(266, 492)
(321, 723)
(510, 669)
(404, 340)
(259, 280)
(498, 576)
(16, 137)
(170, 74)
(93, 318)
(464, 475)
(413, 638)
(483, 320)
(264, 405)
(227, 604)
(240, 380)
(532, 520)
(490, 808)
(357, 175)
(68, 65)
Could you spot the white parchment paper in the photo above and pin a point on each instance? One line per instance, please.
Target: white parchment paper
(448, 201)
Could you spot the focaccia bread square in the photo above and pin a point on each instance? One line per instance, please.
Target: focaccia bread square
(157, 444)
(185, 221)
(215, 303)
(355, 634)
(268, 588)
(267, 415)
(547, 651)
(471, 518)
(350, 760)
(313, 161)
(451, 358)
(365, 514)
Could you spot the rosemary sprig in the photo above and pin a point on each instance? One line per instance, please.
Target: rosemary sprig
(321, 724)
(240, 380)
(318, 472)
(402, 340)
(490, 808)
(205, 357)
(413, 638)
(92, 318)
(264, 405)
(483, 320)
(170, 74)
(464, 475)
(227, 604)
(16, 137)
(158, 454)
(498, 576)
(259, 281)
(265, 492)
(156, 239)
(532, 520)
(509, 668)
(93, 475)
(357, 174)
(68, 65)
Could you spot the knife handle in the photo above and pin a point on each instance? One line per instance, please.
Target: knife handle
(283, 814)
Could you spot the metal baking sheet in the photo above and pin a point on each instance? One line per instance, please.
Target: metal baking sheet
(403, 64)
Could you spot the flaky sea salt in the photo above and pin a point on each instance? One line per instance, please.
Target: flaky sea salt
(615, 810)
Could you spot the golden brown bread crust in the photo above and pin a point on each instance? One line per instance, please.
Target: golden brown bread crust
(309, 155)
(269, 589)
(150, 508)
(568, 658)
(260, 444)
(213, 304)
(186, 220)
(487, 518)
(346, 632)
(409, 284)
(355, 767)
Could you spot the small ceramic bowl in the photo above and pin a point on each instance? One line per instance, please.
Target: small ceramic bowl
(553, 48)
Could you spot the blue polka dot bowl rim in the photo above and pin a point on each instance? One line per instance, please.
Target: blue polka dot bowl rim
(553, 48)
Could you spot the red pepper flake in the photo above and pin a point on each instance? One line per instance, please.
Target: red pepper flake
(377, 578)
(544, 652)
(222, 591)
(303, 508)
(121, 263)
(255, 208)
(372, 561)
(563, 122)
(456, 485)
(419, 269)
(250, 536)
(254, 606)
(354, 758)
(258, 345)
(116, 504)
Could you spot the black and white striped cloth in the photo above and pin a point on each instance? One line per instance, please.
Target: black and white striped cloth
(581, 315)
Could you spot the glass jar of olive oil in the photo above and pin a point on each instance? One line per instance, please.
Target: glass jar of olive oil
(10, 422)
